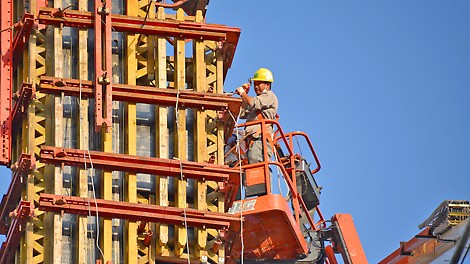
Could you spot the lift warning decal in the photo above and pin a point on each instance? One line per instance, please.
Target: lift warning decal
(247, 206)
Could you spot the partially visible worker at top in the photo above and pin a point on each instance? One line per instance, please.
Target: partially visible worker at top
(263, 105)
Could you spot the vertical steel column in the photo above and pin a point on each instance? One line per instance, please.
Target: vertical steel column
(103, 65)
(6, 74)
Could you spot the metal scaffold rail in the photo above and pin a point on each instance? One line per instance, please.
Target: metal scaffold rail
(137, 164)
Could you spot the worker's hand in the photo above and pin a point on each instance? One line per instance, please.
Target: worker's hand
(240, 90)
(246, 87)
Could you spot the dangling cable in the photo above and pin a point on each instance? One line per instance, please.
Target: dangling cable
(91, 176)
(242, 196)
(181, 174)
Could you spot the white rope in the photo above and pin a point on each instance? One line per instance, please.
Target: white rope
(181, 175)
(242, 197)
(92, 181)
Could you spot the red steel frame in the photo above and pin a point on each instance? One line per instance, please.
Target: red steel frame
(409, 252)
(137, 164)
(6, 75)
(103, 52)
(144, 94)
(103, 88)
(149, 213)
(103, 66)
(21, 170)
(22, 214)
(10, 46)
(184, 29)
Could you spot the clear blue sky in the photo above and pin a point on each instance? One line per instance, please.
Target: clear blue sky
(382, 88)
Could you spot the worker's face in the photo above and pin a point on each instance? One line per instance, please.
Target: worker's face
(260, 87)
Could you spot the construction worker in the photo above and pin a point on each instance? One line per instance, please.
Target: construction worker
(263, 105)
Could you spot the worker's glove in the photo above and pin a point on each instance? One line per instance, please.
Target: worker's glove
(240, 91)
(246, 87)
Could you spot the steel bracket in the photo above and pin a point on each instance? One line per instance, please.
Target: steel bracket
(20, 169)
(20, 216)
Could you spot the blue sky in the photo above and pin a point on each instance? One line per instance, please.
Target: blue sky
(383, 90)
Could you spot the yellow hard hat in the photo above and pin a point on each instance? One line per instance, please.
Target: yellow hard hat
(263, 75)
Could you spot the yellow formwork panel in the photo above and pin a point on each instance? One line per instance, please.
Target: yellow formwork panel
(83, 139)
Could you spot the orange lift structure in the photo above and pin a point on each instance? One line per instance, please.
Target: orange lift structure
(444, 237)
(116, 134)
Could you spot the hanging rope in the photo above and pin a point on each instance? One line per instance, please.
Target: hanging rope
(91, 176)
(181, 174)
(242, 196)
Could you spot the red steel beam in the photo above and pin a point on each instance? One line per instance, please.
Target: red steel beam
(6, 75)
(135, 211)
(183, 29)
(21, 215)
(21, 169)
(103, 65)
(138, 25)
(136, 164)
(407, 251)
(144, 94)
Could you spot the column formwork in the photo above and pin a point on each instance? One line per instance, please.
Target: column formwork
(116, 144)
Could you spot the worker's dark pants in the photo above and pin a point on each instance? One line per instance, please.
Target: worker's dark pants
(255, 151)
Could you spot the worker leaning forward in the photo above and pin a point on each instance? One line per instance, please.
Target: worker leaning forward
(263, 105)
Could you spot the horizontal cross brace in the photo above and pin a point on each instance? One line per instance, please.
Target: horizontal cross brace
(144, 94)
(135, 211)
(136, 164)
(139, 25)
